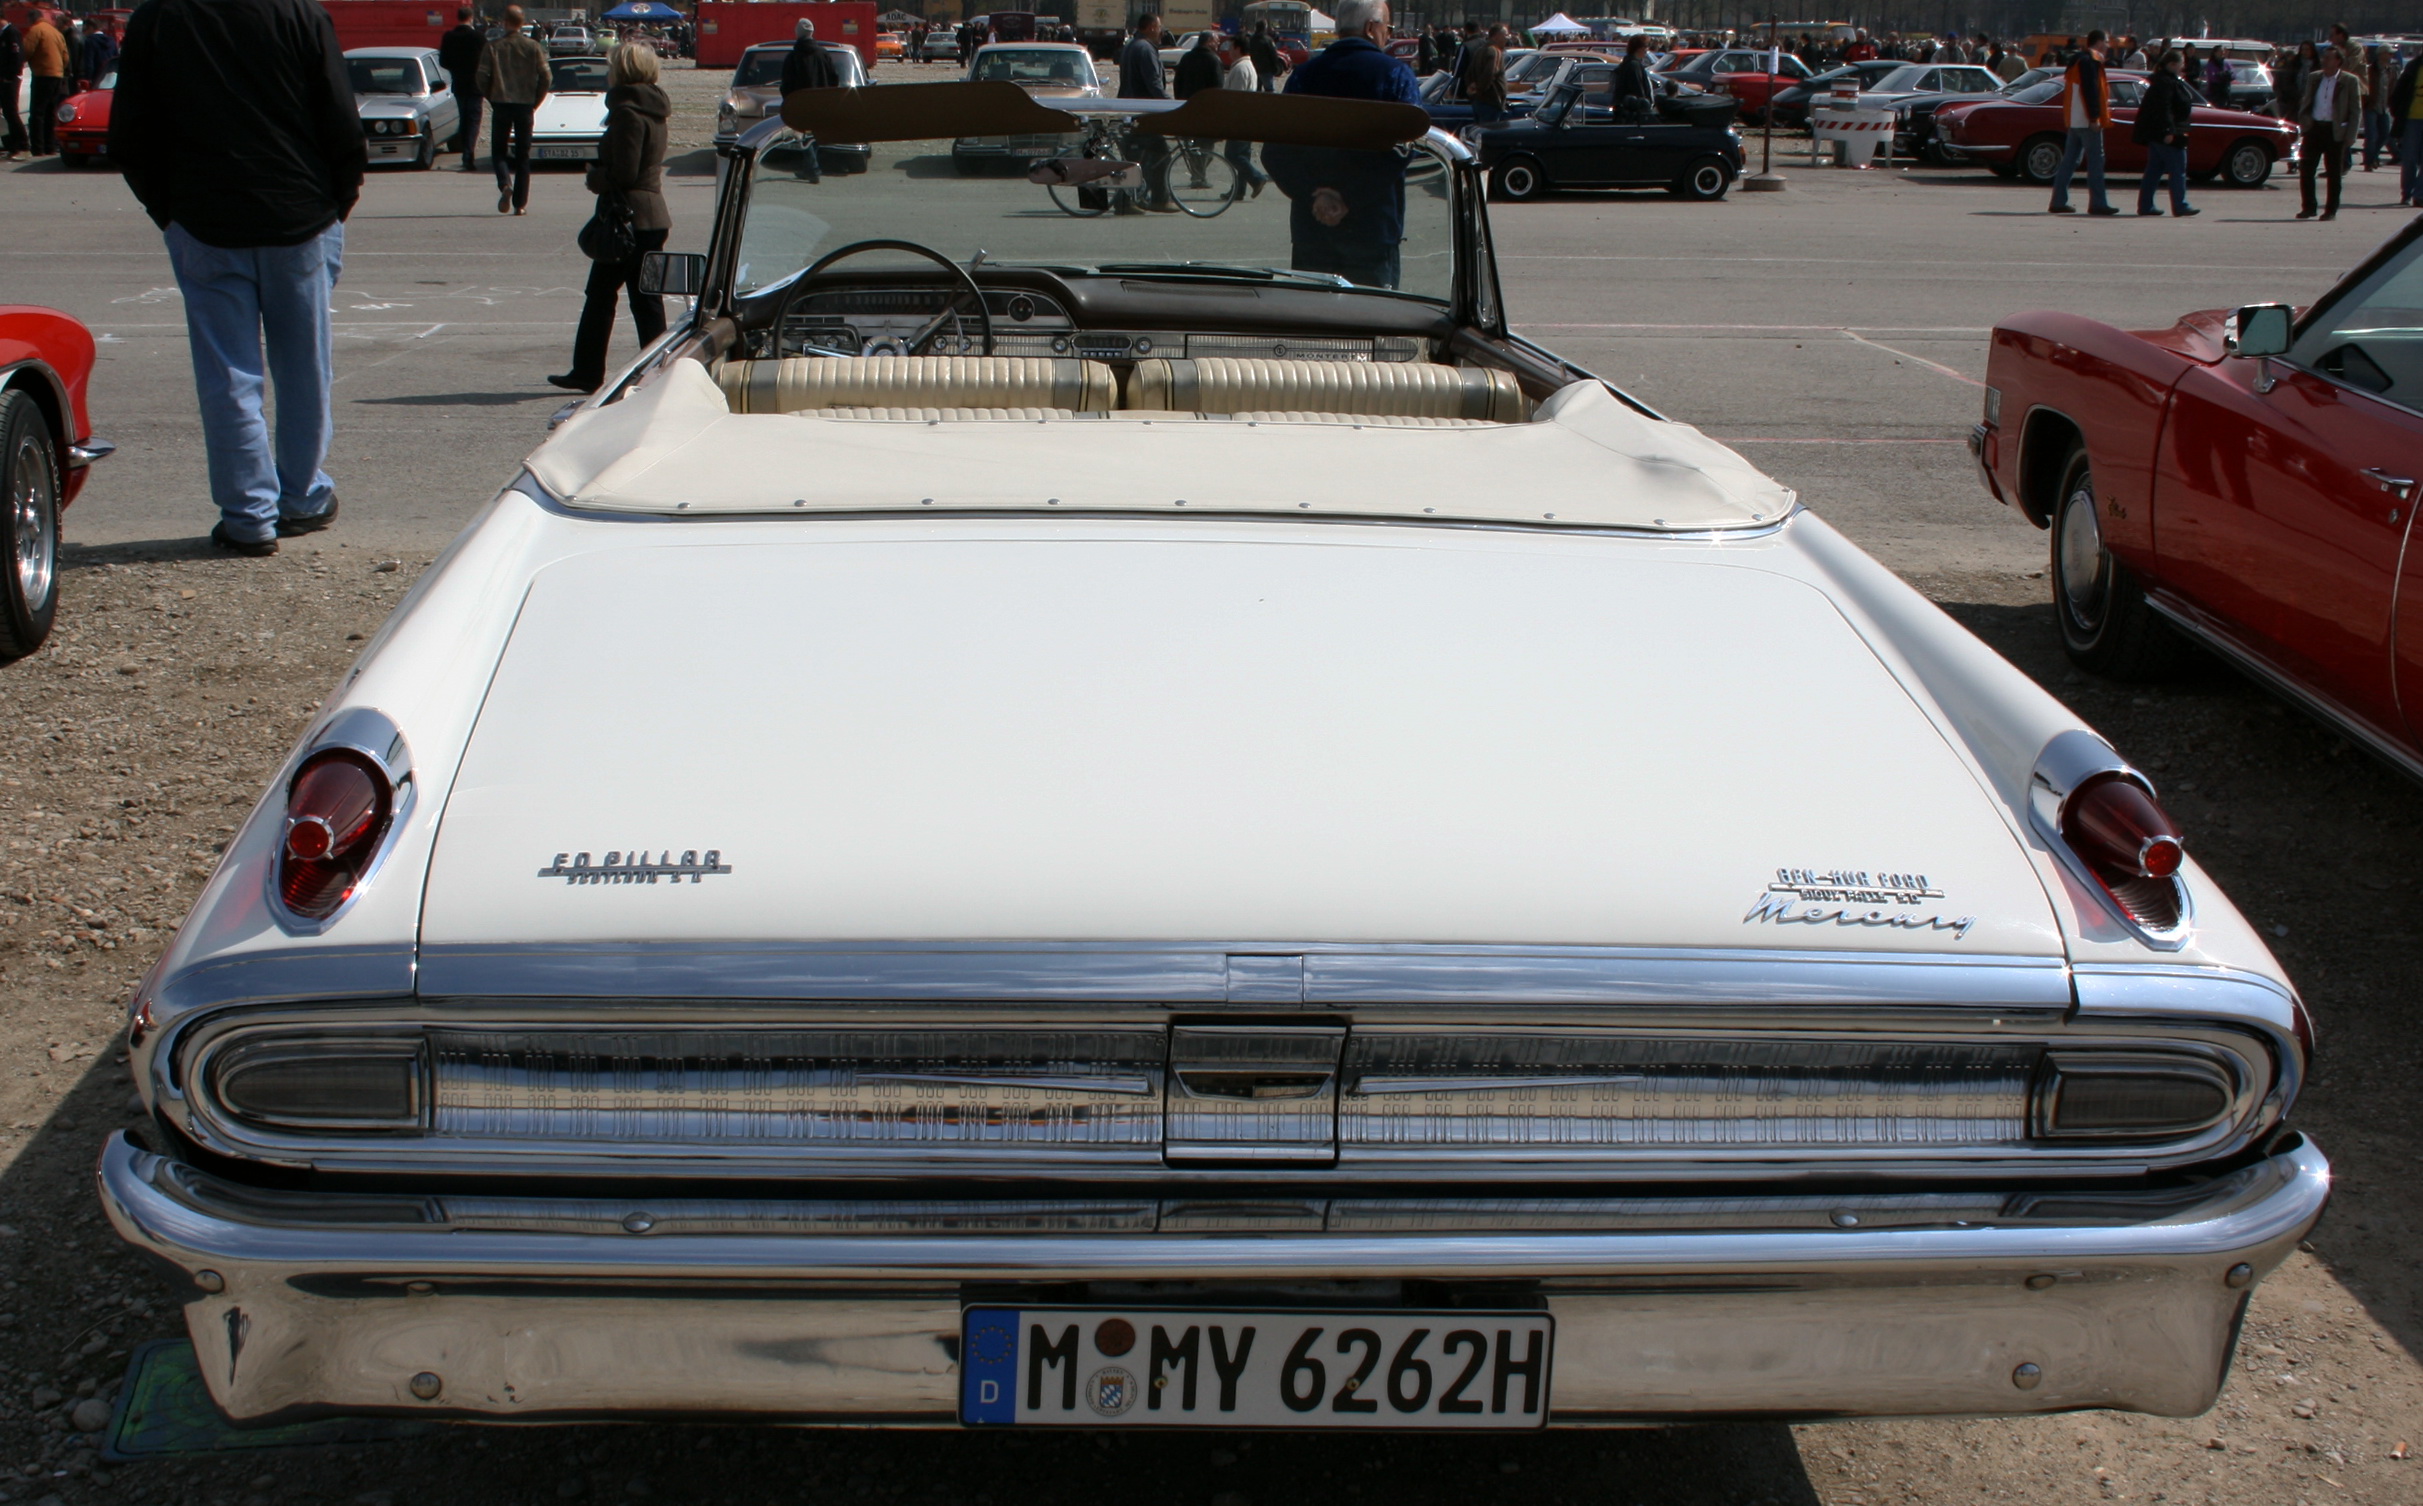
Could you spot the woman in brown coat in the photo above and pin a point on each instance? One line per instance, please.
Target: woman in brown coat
(630, 162)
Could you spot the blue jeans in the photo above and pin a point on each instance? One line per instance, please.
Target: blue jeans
(2410, 160)
(235, 301)
(2376, 130)
(2163, 161)
(2086, 143)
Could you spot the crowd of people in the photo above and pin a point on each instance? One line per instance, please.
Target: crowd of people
(65, 57)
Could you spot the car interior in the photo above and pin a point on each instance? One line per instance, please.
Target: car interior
(897, 346)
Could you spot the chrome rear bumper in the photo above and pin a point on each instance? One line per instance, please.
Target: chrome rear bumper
(529, 1309)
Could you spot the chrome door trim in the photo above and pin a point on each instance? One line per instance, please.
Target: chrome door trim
(2206, 629)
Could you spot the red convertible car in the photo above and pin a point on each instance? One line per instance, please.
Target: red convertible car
(83, 124)
(2021, 137)
(2244, 480)
(46, 444)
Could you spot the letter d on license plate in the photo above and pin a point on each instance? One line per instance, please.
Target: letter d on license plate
(1093, 1367)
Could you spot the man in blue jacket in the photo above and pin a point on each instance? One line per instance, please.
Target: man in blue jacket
(1348, 215)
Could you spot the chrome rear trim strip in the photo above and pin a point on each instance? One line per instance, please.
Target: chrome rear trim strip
(1199, 974)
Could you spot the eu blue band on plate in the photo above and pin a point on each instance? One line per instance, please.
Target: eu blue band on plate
(988, 1366)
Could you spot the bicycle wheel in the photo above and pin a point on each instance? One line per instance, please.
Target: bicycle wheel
(1202, 181)
(1082, 201)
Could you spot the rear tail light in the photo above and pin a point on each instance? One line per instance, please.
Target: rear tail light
(2129, 843)
(337, 810)
(337, 1085)
(2127, 1096)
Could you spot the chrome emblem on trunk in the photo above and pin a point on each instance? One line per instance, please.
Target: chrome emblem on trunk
(635, 867)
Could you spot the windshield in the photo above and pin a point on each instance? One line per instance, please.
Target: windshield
(1331, 216)
(384, 75)
(759, 67)
(1532, 71)
(1036, 67)
(1899, 81)
(579, 75)
(2039, 93)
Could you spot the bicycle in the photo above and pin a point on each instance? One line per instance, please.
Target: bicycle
(1194, 175)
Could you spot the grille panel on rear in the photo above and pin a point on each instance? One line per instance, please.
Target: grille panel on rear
(1425, 1093)
(1078, 1089)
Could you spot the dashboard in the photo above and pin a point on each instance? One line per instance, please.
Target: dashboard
(880, 321)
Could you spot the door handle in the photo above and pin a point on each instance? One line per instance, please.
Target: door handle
(2400, 487)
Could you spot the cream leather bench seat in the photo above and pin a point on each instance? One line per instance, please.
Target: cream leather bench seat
(804, 383)
(1401, 389)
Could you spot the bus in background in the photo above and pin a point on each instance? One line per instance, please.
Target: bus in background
(1290, 23)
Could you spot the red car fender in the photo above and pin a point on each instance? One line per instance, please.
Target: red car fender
(50, 354)
(2062, 378)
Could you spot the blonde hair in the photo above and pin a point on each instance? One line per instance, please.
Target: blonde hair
(634, 63)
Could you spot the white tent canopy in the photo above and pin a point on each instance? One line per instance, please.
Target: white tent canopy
(1560, 25)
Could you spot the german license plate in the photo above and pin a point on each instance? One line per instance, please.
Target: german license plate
(554, 153)
(1092, 1367)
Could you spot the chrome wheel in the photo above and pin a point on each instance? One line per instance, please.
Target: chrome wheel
(2040, 159)
(2248, 165)
(2084, 566)
(29, 507)
(1519, 180)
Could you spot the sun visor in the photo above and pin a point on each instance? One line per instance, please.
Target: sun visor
(921, 112)
(1290, 120)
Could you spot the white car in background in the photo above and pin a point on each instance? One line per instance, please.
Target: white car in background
(571, 121)
(408, 109)
(756, 85)
(1218, 845)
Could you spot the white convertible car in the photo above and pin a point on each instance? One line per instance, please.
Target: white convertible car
(1061, 818)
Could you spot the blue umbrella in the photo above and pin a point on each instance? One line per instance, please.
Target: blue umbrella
(642, 10)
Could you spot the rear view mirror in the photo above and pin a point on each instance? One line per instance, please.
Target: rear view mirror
(681, 273)
(2260, 329)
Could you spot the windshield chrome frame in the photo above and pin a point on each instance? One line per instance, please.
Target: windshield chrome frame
(1475, 301)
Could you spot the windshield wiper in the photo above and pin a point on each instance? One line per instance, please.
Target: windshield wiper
(1221, 270)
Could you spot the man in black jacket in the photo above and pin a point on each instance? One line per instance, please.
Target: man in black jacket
(807, 67)
(2161, 128)
(12, 70)
(1198, 68)
(256, 237)
(459, 54)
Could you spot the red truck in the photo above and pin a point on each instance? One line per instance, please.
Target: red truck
(727, 28)
(390, 23)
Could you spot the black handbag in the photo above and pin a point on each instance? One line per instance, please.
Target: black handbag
(609, 236)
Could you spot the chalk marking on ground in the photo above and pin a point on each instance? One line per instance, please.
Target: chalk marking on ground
(1937, 366)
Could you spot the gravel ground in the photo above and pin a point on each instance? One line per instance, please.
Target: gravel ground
(135, 741)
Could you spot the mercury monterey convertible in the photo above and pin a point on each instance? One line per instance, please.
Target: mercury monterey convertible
(2246, 481)
(1043, 819)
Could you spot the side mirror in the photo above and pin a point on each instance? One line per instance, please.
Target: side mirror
(681, 273)
(2260, 329)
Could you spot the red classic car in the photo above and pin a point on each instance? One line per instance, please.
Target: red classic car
(2021, 137)
(2243, 480)
(46, 444)
(84, 123)
(1742, 73)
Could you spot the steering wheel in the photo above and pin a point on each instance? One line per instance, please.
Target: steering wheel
(925, 336)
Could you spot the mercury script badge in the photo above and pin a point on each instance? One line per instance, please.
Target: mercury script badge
(1854, 897)
(635, 867)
